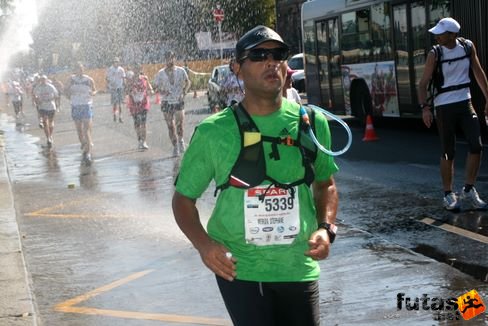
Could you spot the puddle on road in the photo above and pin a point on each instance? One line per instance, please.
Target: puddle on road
(478, 271)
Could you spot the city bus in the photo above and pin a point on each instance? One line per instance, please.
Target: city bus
(366, 57)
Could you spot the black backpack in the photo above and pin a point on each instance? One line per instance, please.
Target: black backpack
(437, 80)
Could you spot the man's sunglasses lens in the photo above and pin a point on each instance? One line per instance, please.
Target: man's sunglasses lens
(278, 54)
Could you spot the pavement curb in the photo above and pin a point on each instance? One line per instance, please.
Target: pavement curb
(16, 302)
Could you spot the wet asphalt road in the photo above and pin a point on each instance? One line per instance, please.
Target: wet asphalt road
(115, 225)
(397, 192)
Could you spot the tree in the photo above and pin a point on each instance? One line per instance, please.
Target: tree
(6, 6)
(102, 29)
(240, 16)
(175, 22)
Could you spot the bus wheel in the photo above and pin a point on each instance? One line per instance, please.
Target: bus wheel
(361, 101)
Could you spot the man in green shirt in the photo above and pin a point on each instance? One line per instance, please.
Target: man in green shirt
(272, 222)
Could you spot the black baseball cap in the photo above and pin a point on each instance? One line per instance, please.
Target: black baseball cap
(256, 36)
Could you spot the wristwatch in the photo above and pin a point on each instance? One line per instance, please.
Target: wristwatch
(331, 230)
(424, 105)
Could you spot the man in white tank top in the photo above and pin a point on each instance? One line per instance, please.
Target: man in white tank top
(173, 83)
(80, 91)
(453, 108)
(115, 84)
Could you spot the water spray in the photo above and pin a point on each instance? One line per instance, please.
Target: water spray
(306, 119)
(16, 36)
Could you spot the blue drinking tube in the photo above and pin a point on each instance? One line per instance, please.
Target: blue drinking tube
(306, 119)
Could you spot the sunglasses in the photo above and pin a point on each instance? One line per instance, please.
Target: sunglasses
(261, 54)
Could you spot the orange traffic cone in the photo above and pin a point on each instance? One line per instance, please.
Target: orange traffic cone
(369, 134)
(157, 100)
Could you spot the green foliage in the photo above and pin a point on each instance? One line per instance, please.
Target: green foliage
(6, 6)
(241, 16)
(105, 29)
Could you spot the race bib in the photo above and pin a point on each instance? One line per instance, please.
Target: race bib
(273, 221)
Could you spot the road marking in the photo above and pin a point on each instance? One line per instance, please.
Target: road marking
(50, 211)
(68, 306)
(74, 215)
(455, 229)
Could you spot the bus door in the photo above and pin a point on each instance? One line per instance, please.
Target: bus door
(329, 64)
(409, 43)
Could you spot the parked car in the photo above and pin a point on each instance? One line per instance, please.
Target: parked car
(214, 93)
(298, 77)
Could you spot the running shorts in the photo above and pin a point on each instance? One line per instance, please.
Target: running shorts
(271, 303)
(81, 112)
(171, 107)
(452, 116)
(48, 113)
(116, 96)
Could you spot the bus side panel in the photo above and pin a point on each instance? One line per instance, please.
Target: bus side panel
(381, 81)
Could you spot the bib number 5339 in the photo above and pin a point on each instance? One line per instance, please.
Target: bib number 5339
(277, 204)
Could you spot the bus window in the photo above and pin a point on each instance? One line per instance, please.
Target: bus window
(364, 35)
(309, 41)
(337, 91)
(323, 60)
(349, 39)
(438, 10)
(401, 54)
(419, 39)
(380, 32)
(311, 64)
(356, 39)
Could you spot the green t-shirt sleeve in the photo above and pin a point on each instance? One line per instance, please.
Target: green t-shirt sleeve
(325, 165)
(196, 172)
(212, 152)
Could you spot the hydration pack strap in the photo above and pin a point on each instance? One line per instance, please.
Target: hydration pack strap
(449, 61)
(250, 167)
(275, 141)
(452, 88)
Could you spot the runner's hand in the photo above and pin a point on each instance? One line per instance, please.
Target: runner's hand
(214, 256)
(427, 117)
(319, 244)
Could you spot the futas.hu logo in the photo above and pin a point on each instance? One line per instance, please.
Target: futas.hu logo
(441, 308)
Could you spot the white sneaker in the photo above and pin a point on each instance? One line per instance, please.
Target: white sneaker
(451, 202)
(473, 198)
(182, 146)
(87, 158)
(176, 152)
(144, 145)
